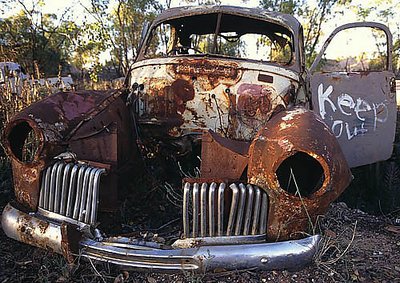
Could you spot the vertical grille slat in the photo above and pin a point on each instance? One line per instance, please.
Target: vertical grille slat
(263, 215)
(256, 211)
(242, 201)
(53, 178)
(95, 199)
(65, 185)
(45, 187)
(249, 210)
(57, 194)
(221, 200)
(88, 204)
(203, 209)
(78, 194)
(211, 209)
(246, 215)
(71, 190)
(85, 192)
(186, 199)
(233, 209)
(195, 209)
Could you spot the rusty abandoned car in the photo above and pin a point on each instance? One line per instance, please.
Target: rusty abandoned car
(276, 143)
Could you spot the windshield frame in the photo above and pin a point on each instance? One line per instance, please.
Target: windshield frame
(287, 22)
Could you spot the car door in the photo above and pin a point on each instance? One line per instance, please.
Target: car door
(354, 93)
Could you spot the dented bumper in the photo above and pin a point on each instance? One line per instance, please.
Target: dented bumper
(128, 254)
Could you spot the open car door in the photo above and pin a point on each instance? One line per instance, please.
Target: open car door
(353, 91)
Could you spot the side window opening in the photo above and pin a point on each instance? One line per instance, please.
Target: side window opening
(346, 54)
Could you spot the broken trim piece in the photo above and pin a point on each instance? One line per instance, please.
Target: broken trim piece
(267, 256)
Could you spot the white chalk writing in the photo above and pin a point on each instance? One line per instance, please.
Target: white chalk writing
(348, 106)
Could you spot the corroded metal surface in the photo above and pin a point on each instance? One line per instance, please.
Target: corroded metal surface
(294, 165)
(288, 133)
(30, 230)
(26, 179)
(94, 125)
(230, 97)
(222, 158)
(61, 114)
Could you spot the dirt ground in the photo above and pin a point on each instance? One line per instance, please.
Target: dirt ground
(356, 247)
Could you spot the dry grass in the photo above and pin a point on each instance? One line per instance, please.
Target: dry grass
(11, 103)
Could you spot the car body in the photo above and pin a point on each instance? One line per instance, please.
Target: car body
(277, 143)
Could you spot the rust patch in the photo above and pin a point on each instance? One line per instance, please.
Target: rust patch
(43, 225)
(165, 102)
(222, 158)
(181, 91)
(26, 231)
(291, 132)
(26, 179)
(254, 99)
(212, 68)
(207, 73)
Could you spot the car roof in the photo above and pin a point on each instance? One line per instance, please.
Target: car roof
(288, 21)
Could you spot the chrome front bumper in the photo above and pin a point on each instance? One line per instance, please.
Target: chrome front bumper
(31, 229)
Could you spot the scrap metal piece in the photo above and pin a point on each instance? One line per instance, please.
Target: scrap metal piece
(296, 159)
(71, 236)
(232, 157)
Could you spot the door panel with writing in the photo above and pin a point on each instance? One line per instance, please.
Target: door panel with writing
(357, 102)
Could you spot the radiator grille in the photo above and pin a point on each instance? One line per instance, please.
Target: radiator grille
(71, 190)
(205, 214)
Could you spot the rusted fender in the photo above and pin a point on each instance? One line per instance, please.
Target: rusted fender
(85, 122)
(296, 147)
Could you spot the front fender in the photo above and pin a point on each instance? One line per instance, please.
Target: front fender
(297, 160)
(95, 125)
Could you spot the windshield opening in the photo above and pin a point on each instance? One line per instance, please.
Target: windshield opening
(234, 36)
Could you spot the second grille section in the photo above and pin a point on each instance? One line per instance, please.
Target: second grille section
(211, 210)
